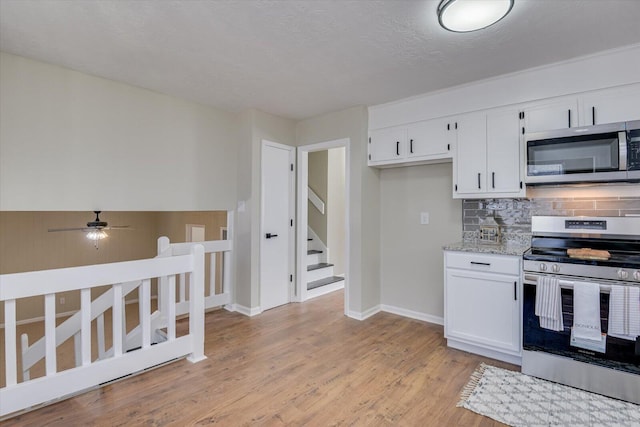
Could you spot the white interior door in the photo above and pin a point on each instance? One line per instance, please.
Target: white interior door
(276, 237)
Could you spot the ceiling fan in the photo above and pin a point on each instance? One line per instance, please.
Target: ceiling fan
(95, 229)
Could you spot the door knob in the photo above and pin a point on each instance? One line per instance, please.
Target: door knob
(269, 235)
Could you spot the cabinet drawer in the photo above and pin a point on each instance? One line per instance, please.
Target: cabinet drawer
(503, 264)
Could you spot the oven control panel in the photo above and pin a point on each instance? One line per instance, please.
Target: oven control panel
(579, 224)
(584, 271)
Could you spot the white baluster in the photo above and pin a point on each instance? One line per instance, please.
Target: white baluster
(196, 304)
(10, 353)
(144, 302)
(118, 318)
(171, 308)
(85, 325)
(183, 287)
(212, 273)
(77, 348)
(50, 332)
(100, 335)
(26, 374)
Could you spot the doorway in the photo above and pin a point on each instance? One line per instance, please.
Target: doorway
(277, 237)
(304, 194)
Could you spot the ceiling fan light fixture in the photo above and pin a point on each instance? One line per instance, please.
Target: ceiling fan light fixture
(97, 235)
(462, 16)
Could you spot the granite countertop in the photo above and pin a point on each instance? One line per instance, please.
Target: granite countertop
(508, 248)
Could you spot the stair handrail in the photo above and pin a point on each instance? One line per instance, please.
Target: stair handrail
(316, 200)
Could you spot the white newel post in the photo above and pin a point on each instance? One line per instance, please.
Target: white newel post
(196, 304)
(228, 265)
(164, 246)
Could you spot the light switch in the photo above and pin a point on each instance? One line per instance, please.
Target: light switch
(424, 218)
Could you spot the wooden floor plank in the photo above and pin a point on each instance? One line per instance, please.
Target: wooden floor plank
(300, 364)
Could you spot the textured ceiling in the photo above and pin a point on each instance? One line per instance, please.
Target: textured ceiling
(298, 59)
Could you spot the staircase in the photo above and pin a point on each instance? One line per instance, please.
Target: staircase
(320, 277)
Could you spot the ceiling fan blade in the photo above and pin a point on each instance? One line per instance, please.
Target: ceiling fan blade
(118, 227)
(67, 229)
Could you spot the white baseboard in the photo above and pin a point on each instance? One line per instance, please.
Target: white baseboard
(253, 311)
(493, 354)
(412, 314)
(365, 314)
(323, 290)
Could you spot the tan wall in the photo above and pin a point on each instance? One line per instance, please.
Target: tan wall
(26, 245)
(411, 254)
(318, 167)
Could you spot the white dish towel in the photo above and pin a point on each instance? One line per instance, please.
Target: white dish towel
(549, 303)
(624, 312)
(586, 311)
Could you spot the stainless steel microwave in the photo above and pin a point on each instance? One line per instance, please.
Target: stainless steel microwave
(602, 153)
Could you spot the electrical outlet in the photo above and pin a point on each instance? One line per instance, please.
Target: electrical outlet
(62, 300)
(424, 218)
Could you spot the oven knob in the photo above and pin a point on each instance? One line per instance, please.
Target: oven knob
(623, 274)
(543, 267)
(555, 268)
(636, 275)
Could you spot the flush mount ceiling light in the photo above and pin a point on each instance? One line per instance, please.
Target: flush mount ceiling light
(462, 16)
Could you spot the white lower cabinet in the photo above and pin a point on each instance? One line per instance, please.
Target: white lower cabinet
(482, 304)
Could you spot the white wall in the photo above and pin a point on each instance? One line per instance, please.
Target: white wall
(412, 269)
(364, 207)
(71, 141)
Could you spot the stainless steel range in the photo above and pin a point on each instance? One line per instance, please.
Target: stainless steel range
(575, 253)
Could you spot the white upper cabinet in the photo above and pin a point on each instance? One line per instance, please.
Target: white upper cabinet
(471, 155)
(431, 138)
(551, 115)
(610, 106)
(504, 158)
(387, 144)
(430, 141)
(488, 160)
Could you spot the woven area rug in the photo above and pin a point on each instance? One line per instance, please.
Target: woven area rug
(520, 400)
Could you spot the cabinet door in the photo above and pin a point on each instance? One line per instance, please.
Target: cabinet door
(561, 114)
(503, 152)
(387, 144)
(483, 308)
(471, 155)
(431, 138)
(611, 106)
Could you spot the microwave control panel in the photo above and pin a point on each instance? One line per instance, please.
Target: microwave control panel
(633, 151)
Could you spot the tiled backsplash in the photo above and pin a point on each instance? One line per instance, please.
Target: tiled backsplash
(514, 215)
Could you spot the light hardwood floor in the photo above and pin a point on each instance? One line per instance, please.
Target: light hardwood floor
(300, 364)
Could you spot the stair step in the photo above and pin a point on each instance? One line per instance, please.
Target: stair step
(323, 282)
(313, 251)
(318, 266)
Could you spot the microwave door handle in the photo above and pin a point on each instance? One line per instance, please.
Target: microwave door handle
(622, 141)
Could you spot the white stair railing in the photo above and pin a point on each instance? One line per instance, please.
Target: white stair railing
(31, 354)
(16, 396)
(316, 200)
(211, 250)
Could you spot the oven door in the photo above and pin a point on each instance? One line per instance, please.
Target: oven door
(619, 354)
(588, 154)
